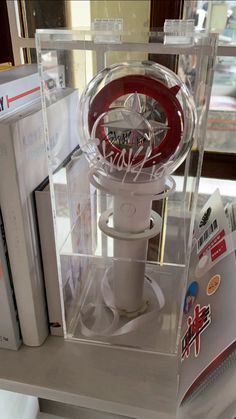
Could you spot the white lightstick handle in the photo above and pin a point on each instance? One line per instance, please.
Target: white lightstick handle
(133, 216)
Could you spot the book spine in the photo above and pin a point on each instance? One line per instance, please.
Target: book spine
(28, 285)
(48, 251)
(10, 336)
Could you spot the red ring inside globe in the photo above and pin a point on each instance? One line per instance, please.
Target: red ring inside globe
(148, 86)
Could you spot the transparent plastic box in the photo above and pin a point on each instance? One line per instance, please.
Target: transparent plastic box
(85, 253)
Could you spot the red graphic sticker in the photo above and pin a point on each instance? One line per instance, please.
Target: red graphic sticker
(212, 243)
(20, 95)
(196, 326)
(218, 250)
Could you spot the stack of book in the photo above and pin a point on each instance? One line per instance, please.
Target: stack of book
(23, 166)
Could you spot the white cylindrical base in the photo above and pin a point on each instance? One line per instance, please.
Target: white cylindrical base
(130, 215)
(128, 277)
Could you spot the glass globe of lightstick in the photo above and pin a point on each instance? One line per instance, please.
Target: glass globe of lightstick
(136, 124)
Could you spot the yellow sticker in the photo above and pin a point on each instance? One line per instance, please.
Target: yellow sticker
(213, 284)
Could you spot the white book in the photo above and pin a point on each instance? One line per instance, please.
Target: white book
(23, 166)
(21, 85)
(9, 324)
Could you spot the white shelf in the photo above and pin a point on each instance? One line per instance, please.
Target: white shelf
(48, 416)
(109, 379)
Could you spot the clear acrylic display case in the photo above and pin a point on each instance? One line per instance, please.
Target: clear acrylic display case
(85, 254)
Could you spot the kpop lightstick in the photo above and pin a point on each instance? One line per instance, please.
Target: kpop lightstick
(136, 127)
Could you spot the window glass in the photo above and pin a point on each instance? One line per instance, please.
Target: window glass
(221, 134)
(215, 16)
(43, 14)
(219, 17)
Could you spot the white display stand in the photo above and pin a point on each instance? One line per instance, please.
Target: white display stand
(85, 253)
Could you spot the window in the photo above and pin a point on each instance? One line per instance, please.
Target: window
(219, 16)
